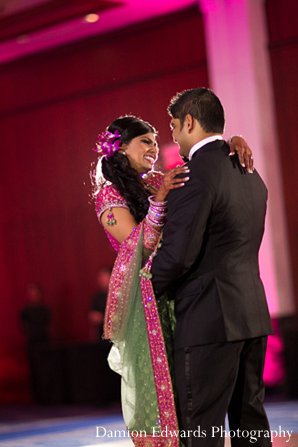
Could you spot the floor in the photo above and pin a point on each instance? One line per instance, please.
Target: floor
(91, 427)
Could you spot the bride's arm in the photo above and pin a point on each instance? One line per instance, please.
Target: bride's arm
(124, 223)
(238, 145)
(119, 222)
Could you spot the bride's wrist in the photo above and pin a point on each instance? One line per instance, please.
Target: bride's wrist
(159, 198)
(157, 211)
(160, 195)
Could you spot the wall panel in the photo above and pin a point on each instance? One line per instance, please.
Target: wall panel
(282, 20)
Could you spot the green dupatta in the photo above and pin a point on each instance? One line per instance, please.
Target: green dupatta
(141, 332)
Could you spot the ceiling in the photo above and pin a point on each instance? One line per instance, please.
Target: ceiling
(30, 26)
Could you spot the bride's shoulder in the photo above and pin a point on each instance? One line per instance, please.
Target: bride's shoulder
(106, 190)
(107, 197)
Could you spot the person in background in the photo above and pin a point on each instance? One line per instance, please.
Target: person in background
(98, 304)
(35, 316)
(35, 320)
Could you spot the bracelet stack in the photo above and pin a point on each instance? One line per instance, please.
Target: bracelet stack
(157, 212)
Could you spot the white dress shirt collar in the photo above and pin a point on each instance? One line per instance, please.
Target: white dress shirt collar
(202, 143)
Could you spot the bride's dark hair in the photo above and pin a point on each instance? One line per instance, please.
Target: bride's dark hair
(118, 170)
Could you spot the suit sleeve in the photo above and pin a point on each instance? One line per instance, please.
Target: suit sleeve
(188, 212)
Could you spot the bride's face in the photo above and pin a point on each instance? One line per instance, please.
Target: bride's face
(142, 152)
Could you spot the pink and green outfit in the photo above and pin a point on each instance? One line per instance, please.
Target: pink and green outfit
(140, 328)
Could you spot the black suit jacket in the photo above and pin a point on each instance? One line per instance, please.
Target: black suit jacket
(208, 259)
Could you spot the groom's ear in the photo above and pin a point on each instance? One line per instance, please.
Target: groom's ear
(189, 122)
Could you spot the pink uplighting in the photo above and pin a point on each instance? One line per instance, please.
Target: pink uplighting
(170, 156)
(274, 371)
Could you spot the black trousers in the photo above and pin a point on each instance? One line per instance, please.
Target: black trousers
(218, 379)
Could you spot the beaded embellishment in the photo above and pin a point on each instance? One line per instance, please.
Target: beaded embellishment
(108, 198)
(111, 218)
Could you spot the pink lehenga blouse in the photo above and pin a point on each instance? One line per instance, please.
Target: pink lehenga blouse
(141, 331)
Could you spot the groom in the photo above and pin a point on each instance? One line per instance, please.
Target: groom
(208, 262)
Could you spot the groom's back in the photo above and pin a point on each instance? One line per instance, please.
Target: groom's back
(222, 297)
(236, 224)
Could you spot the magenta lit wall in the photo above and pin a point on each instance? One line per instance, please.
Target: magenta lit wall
(53, 106)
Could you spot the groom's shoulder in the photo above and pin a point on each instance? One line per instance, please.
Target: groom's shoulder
(209, 156)
(218, 148)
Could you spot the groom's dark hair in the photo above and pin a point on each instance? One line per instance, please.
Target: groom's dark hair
(203, 105)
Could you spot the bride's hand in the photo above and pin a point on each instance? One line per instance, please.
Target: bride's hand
(238, 145)
(170, 181)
